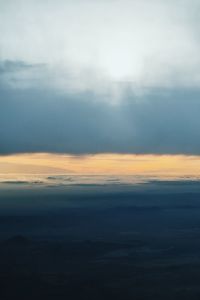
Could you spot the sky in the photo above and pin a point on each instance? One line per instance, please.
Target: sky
(92, 78)
(111, 164)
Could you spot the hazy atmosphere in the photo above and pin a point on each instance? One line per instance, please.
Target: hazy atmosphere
(100, 76)
(99, 149)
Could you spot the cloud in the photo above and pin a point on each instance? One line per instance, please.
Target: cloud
(43, 120)
(150, 43)
(19, 182)
(124, 78)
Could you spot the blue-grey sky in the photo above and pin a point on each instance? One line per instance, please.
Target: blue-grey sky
(100, 76)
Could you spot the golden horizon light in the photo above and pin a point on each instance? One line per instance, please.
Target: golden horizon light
(101, 164)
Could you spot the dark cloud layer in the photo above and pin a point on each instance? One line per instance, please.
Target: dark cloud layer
(42, 120)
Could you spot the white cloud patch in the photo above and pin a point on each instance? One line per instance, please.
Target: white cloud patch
(91, 44)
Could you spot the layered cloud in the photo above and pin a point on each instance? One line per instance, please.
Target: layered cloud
(44, 120)
(99, 76)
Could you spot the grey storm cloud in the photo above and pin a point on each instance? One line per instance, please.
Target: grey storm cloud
(34, 119)
(88, 76)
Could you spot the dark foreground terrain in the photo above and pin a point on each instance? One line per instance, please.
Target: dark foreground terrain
(100, 243)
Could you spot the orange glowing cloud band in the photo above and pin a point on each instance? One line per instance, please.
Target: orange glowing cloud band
(101, 164)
